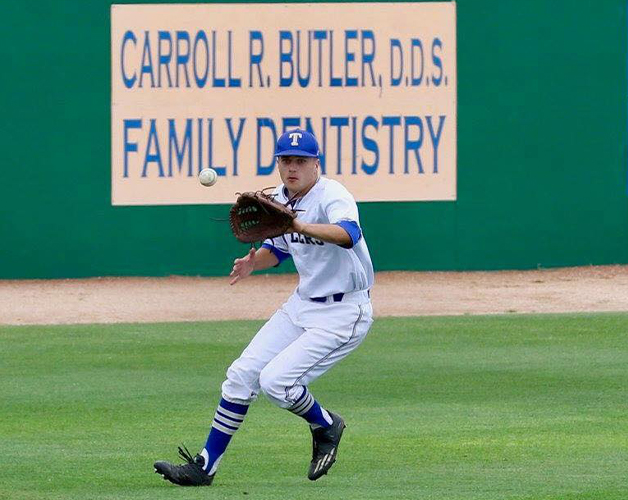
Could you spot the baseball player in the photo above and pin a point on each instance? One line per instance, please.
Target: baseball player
(327, 316)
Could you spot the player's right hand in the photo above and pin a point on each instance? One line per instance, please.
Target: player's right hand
(243, 267)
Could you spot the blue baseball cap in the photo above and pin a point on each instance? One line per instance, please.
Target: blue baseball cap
(297, 142)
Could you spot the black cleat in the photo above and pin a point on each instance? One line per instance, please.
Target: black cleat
(325, 447)
(188, 474)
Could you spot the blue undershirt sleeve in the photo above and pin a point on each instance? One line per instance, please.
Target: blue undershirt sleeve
(281, 256)
(353, 230)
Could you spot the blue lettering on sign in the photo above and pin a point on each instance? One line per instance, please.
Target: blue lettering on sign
(201, 79)
(263, 123)
(233, 82)
(183, 56)
(395, 47)
(437, 61)
(129, 147)
(128, 82)
(188, 140)
(320, 35)
(235, 141)
(368, 57)
(216, 81)
(164, 58)
(255, 58)
(285, 57)
(156, 156)
(416, 80)
(350, 57)
(199, 128)
(339, 121)
(290, 122)
(173, 144)
(370, 145)
(392, 122)
(183, 60)
(435, 137)
(304, 81)
(334, 81)
(354, 132)
(322, 140)
(412, 144)
(147, 62)
(221, 171)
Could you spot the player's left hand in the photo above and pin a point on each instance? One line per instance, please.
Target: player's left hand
(243, 267)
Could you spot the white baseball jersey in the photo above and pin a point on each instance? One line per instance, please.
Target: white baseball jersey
(325, 268)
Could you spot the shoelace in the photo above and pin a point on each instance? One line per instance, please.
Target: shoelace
(185, 454)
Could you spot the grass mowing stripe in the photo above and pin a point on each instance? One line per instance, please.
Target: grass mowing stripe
(471, 407)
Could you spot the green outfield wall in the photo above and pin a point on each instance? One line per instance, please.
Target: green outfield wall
(542, 177)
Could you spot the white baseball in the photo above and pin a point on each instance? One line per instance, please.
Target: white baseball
(207, 177)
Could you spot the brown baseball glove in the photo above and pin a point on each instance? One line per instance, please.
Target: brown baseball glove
(257, 216)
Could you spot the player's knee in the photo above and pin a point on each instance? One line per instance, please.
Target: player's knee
(271, 384)
(267, 382)
(241, 383)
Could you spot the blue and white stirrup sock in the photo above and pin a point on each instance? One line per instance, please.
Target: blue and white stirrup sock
(227, 420)
(307, 407)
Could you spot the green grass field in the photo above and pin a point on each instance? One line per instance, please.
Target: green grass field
(502, 407)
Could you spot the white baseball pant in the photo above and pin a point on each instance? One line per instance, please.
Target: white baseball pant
(299, 343)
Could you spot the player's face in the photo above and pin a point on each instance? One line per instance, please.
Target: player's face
(298, 173)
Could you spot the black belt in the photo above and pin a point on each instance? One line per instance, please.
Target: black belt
(337, 297)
